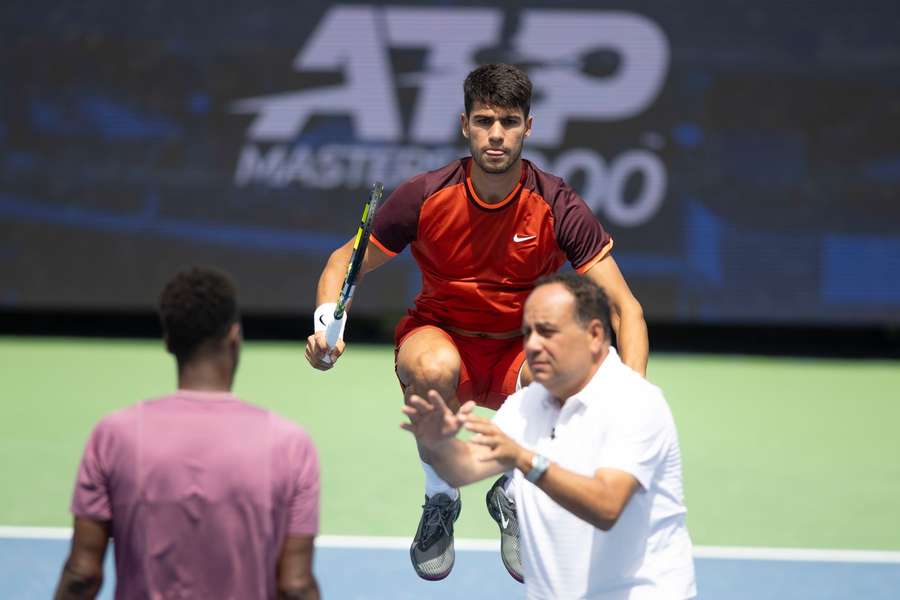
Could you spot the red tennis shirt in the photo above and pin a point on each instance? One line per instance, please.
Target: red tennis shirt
(479, 261)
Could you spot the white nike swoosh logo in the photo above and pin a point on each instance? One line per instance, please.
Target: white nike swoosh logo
(523, 238)
(503, 520)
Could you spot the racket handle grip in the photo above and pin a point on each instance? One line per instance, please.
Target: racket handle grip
(333, 332)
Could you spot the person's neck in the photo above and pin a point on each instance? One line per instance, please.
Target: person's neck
(206, 376)
(494, 187)
(567, 391)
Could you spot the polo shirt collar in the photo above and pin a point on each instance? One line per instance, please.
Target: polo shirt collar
(205, 395)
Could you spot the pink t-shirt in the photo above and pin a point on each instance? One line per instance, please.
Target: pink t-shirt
(202, 490)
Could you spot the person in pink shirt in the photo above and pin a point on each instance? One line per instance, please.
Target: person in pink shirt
(206, 496)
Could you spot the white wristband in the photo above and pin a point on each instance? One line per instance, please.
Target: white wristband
(324, 321)
(324, 315)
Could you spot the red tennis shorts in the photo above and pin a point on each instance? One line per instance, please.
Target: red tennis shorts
(489, 369)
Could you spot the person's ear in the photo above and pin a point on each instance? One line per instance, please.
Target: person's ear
(597, 335)
(528, 124)
(235, 335)
(464, 125)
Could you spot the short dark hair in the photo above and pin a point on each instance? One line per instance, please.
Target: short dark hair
(590, 299)
(197, 305)
(501, 85)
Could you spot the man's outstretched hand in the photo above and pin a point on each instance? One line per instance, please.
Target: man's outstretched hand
(431, 421)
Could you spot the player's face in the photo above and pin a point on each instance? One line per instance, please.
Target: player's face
(560, 351)
(496, 136)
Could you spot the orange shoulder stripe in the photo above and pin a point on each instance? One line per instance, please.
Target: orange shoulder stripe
(381, 246)
(597, 258)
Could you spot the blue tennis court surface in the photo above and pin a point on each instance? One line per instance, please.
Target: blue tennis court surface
(29, 569)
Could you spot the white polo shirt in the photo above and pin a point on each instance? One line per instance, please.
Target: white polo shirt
(620, 421)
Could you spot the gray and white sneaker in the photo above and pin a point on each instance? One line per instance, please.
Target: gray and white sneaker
(503, 510)
(432, 550)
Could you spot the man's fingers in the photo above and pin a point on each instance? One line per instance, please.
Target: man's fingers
(465, 411)
(483, 440)
(420, 403)
(330, 355)
(317, 350)
(478, 426)
(322, 350)
(437, 400)
(311, 350)
(322, 364)
(318, 341)
(410, 412)
(337, 351)
(317, 363)
(468, 406)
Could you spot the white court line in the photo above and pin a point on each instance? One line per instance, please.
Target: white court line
(402, 543)
(399, 543)
(36, 533)
(797, 554)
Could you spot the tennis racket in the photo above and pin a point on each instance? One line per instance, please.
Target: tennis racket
(333, 330)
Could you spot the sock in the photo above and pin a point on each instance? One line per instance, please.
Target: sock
(435, 485)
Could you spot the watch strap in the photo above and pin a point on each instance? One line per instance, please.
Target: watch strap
(539, 464)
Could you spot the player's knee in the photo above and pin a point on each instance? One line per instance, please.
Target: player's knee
(438, 369)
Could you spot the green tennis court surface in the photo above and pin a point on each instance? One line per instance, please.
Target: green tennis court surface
(777, 452)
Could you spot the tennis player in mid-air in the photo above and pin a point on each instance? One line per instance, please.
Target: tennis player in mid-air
(482, 230)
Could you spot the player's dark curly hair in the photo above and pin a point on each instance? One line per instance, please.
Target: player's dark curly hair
(501, 85)
(197, 305)
(590, 299)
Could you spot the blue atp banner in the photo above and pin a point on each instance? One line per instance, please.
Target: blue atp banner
(745, 156)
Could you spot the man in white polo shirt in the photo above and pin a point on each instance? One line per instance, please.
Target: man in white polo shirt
(601, 512)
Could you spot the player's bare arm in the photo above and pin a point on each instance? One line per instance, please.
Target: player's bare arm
(329, 287)
(626, 314)
(295, 573)
(435, 427)
(599, 500)
(83, 571)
